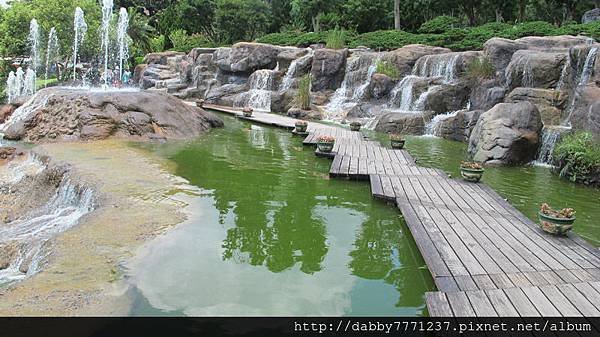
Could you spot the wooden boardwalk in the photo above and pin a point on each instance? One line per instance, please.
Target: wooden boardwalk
(486, 257)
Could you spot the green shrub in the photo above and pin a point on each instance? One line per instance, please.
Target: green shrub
(479, 69)
(386, 39)
(139, 60)
(578, 157)
(281, 39)
(302, 99)
(439, 24)
(534, 28)
(386, 68)
(183, 42)
(335, 39)
(157, 43)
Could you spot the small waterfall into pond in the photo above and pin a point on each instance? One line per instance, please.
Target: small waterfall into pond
(588, 66)
(437, 65)
(107, 8)
(401, 96)
(52, 50)
(122, 39)
(259, 96)
(80, 27)
(28, 236)
(291, 73)
(434, 126)
(550, 136)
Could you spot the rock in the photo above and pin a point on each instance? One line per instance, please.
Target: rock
(553, 42)
(287, 55)
(5, 111)
(447, 97)
(532, 68)
(404, 58)
(380, 85)
(459, 126)
(137, 73)
(162, 57)
(246, 57)
(226, 94)
(321, 97)
(486, 94)
(328, 67)
(7, 152)
(550, 103)
(586, 109)
(313, 114)
(8, 252)
(282, 101)
(403, 123)
(508, 133)
(500, 51)
(591, 15)
(365, 109)
(196, 52)
(76, 114)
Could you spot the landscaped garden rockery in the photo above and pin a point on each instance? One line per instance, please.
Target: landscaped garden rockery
(397, 141)
(355, 126)
(325, 143)
(471, 171)
(556, 222)
(301, 126)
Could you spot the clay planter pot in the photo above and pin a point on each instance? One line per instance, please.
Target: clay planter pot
(471, 175)
(247, 112)
(301, 127)
(397, 144)
(354, 126)
(552, 225)
(325, 146)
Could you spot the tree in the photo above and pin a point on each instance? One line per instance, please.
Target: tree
(397, 14)
(241, 20)
(199, 17)
(367, 15)
(140, 31)
(309, 11)
(280, 10)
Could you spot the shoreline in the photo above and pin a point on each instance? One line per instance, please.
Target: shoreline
(83, 275)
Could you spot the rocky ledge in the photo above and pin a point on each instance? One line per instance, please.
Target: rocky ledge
(71, 114)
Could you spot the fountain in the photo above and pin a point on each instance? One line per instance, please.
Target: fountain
(29, 83)
(122, 41)
(51, 52)
(80, 29)
(107, 7)
(34, 44)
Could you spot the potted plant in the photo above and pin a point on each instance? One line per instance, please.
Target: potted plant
(471, 171)
(301, 126)
(355, 126)
(200, 103)
(325, 143)
(397, 141)
(556, 222)
(247, 111)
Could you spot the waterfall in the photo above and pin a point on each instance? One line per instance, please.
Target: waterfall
(291, 73)
(27, 110)
(51, 51)
(419, 104)
(401, 95)
(563, 74)
(107, 7)
(550, 136)
(527, 76)
(360, 91)
(588, 66)
(259, 96)
(434, 127)
(34, 44)
(80, 29)
(30, 234)
(438, 65)
(122, 39)
(336, 103)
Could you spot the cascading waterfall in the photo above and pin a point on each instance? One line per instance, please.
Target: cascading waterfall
(437, 65)
(80, 29)
(51, 51)
(26, 110)
(359, 92)
(527, 76)
(434, 127)
(336, 103)
(402, 94)
(291, 73)
(550, 136)
(107, 8)
(30, 234)
(588, 66)
(122, 39)
(259, 96)
(563, 74)
(34, 44)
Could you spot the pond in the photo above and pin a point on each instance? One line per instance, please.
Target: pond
(270, 234)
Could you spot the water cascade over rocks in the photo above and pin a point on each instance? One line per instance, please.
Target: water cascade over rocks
(259, 95)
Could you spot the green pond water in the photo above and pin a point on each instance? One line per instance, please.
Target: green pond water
(268, 233)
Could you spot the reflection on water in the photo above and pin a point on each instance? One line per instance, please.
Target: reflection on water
(270, 234)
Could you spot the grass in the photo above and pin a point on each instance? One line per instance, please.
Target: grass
(41, 83)
(480, 69)
(302, 99)
(388, 69)
(335, 39)
(578, 157)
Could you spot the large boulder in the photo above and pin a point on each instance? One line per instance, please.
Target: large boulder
(586, 108)
(380, 85)
(327, 69)
(509, 133)
(162, 57)
(404, 58)
(446, 97)
(499, 51)
(67, 114)
(403, 122)
(246, 57)
(226, 94)
(535, 68)
(550, 103)
(486, 94)
(458, 126)
(5, 111)
(591, 15)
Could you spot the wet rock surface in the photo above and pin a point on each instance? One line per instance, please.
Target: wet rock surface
(403, 123)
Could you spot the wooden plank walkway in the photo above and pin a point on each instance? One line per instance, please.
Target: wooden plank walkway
(486, 257)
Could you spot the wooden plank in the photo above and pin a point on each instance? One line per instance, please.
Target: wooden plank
(519, 280)
(589, 292)
(567, 276)
(353, 169)
(541, 303)
(446, 283)
(334, 169)
(501, 281)
(461, 307)
(484, 282)
(388, 190)
(481, 304)
(437, 304)
(501, 303)
(465, 282)
(521, 303)
(536, 278)
(376, 188)
(344, 166)
(578, 300)
(562, 304)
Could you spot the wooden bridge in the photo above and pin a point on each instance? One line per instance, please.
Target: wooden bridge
(486, 257)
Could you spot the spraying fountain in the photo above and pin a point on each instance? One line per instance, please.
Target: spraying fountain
(80, 29)
(122, 41)
(107, 8)
(51, 52)
(34, 44)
